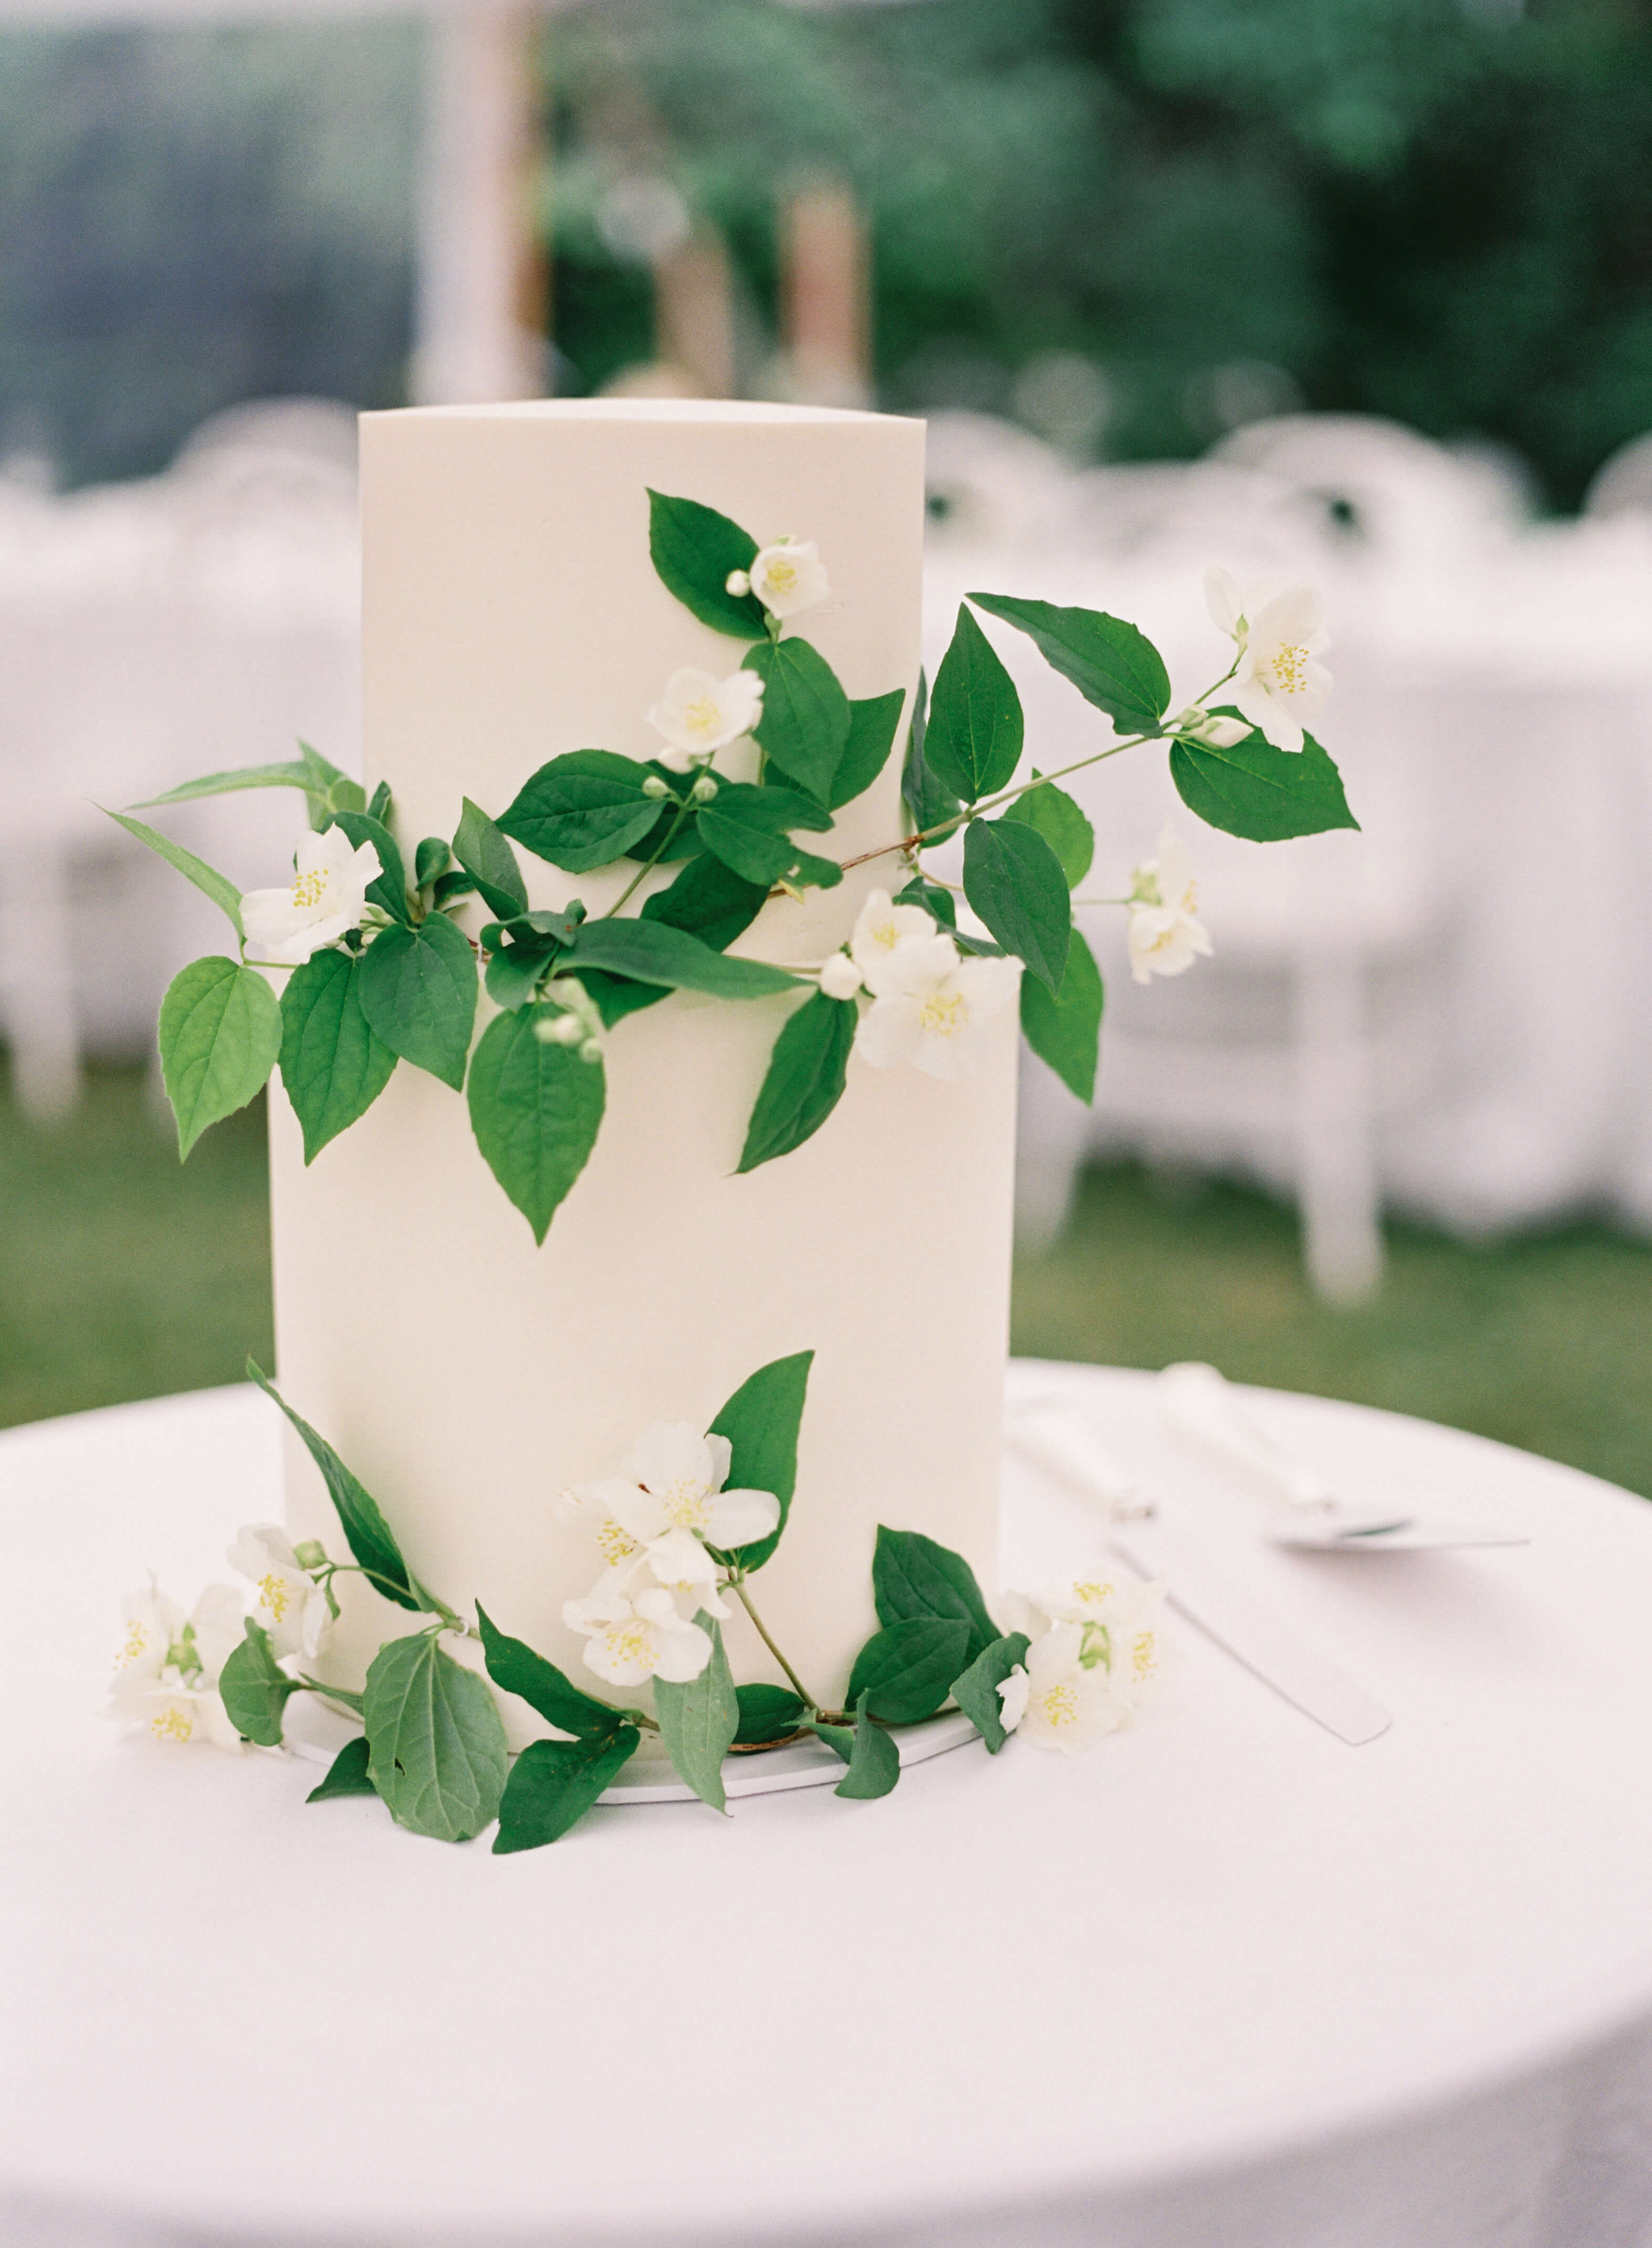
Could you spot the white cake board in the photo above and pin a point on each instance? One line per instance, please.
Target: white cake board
(317, 1733)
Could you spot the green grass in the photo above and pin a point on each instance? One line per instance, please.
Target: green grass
(123, 1274)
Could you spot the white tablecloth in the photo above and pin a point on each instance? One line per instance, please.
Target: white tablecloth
(1223, 1980)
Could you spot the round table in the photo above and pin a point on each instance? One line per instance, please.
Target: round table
(1220, 1980)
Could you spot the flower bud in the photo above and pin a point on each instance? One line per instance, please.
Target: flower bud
(655, 786)
(703, 789)
(839, 978)
(737, 583)
(559, 1030)
(591, 1049)
(312, 1554)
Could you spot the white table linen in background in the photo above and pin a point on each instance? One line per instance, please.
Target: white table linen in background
(1222, 1979)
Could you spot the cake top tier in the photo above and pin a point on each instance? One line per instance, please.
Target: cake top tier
(633, 410)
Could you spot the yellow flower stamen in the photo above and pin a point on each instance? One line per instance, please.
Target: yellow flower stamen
(1290, 669)
(945, 1013)
(630, 1642)
(615, 1542)
(172, 1723)
(136, 1643)
(308, 890)
(273, 1594)
(1061, 1705)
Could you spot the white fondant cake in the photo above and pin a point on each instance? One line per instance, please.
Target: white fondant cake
(511, 614)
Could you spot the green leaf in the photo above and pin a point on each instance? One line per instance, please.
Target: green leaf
(694, 549)
(804, 726)
(872, 1757)
(1111, 663)
(748, 829)
(1064, 827)
(378, 802)
(805, 1079)
(554, 1782)
(256, 1688)
(656, 953)
(367, 1532)
(914, 1576)
(927, 804)
(698, 1721)
(481, 848)
(975, 726)
(936, 899)
(513, 1665)
(451, 886)
(976, 1691)
(767, 1713)
(513, 972)
(1064, 1028)
(347, 1774)
(761, 1421)
(333, 1065)
(418, 991)
(709, 899)
(437, 1746)
(582, 810)
(1264, 794)
(388, 887)
(1014, 880)
(906, 1672)
(220, 1037)
(535, 1108)
(872, 724)
(431, 861)
(329, 789)
(293, 774)
(221, 891)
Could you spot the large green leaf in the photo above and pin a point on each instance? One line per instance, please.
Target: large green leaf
(768, 1713)
(418, 991)
(1063, 826)
(220, 1037)
(256, 1688)
(1264, 794)
(872, 724)
(696, 549)
(221, 891)
(804, 1081)
(367, 1534)
(761, 1421)
(328, 788)
(804, 726)
(388, 887)
(906, 1672)
(535, 1108)
(1014, 880)
(1064, 1028)
(437, 1752)
(1110, 662)
(513, 1665)
(873, 1758)
(653, 952)
(709, 899)
(699, 1720)
(975, 726)
(554, 1782)
(914, 1576)
(927, 804)
(976, 1691)
(333, 1064)
(347, 1774)
(481, 848)
(749, 829)
(292, 773)
(583, 810)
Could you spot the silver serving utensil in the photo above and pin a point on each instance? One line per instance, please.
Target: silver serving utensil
(1052, 1437)
(1199, 1403)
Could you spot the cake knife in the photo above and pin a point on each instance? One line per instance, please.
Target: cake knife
(1053, 1440)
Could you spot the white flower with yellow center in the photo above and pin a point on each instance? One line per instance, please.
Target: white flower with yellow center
(661, 1515)
(1123, 1628)
(882, 930)
(326, 896)
(786, 578)
(175, 1698)
(933, 1007)
(286, 1599)
(1164, 934)
(150, 1624)
(629, 1640)
(699, 714)
(1278, 687)
(1055, 1699)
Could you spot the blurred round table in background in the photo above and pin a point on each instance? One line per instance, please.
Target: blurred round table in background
(1221, 1979)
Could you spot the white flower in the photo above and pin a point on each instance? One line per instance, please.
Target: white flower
(881, 928)
(1055, 1700)
(184, 1710)
(150, 1623)
(1163, 934)
(661, 1515)
(327, 897)
(789, 576)
(629, 1640)
(840, 979)
(1277, 686)
(699, 714)
(1123, 1630)
(739, 582)
(287, 1602)
(167, 1665)
(1221, 733)
(933, 1008)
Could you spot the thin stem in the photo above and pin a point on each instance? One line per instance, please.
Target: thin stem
(685, 805)
(1101, 901)
(737, 1588)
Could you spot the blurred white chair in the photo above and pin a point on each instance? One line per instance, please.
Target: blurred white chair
(1623, 485)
